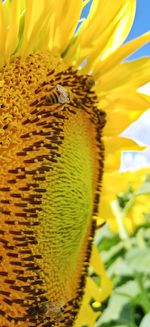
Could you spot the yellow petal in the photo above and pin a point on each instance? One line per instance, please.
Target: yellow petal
(113, 148)
(128, 99)
(121, 53)
(111, 37)
(67, 14)
(119, 143)
(117, 114)
(105, 29)
(6, 9)
(48, 25)
(98, 266)
(85, 2)
(126, 75)
(35, 17)
(112, 185)
(136, 214)
(12, 35)
(86, 314)
(3, 32)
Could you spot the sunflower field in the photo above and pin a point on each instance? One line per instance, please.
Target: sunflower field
(123, 244)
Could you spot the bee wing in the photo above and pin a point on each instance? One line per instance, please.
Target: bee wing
(62, 90)
(63, 99)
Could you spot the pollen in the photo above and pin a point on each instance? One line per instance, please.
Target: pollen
(51, 164)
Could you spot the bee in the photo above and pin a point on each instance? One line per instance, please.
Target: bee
(61, 95)
(52, 98)
(89, 83)
(55, 312)
(45, 310)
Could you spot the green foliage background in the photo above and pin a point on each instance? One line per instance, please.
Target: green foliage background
(127, 261)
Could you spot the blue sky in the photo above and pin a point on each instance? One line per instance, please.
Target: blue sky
(140, 26)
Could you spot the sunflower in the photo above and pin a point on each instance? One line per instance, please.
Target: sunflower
(60, 83)
(125, 201)
(120, 182)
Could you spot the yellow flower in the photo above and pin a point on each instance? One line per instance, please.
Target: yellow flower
(94, 295)
(57, 88)
(109, 208)
(137, 214)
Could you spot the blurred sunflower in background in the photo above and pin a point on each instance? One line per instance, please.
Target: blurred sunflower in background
(65, 97)
(124, 197)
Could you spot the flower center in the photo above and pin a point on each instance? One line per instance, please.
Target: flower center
(51, 165)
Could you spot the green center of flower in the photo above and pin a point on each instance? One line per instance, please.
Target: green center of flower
(51, 165)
